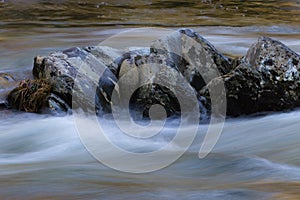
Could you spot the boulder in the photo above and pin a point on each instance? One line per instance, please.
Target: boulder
(274, 60)
(174, 71)
(146, 80)
(85, 66)
(195, 57)
(157, 75)
(266, 80)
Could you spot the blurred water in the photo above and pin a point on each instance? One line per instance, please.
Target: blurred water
(42, 157)
(83, 13)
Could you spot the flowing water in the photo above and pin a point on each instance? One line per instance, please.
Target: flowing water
(42, 157)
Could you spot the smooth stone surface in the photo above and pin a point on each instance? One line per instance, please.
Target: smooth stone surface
(148, 80)
(195, 57)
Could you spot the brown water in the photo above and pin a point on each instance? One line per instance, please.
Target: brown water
(82, 13)
(41, 157)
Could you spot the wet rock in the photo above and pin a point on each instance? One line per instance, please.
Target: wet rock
(112, 58)
(242, 86)
(62, 86)
(107, 84)
(175, 70)
(86, 66)
(195, 57)
(266, 80)
(147, 80)
(274, 59)
(191, 57)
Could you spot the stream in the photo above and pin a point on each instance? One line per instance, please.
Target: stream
(42, 156)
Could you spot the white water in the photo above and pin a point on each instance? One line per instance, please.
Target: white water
(43, 156)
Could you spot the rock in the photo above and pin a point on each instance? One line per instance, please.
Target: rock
(266, 80)
(196, 58)
(112, 58)
(242, 86)
(147, 80)
(274, 59)
(175, 71)
(199, 59)
(62, 86)
(85, 65)
(107, 83)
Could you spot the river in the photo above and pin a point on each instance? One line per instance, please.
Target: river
(42, 156)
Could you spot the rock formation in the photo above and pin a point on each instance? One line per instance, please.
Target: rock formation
(266, 80)
(182, 64)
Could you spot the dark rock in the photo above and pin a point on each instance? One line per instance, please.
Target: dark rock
(185, 54)
(274, 59)
(85, 66)
(106, 85)
(196, 58)
(62, 86)
(175, 70)
(147, 80)
(266, 80)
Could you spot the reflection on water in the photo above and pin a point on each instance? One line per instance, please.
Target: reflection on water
(66, 13)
